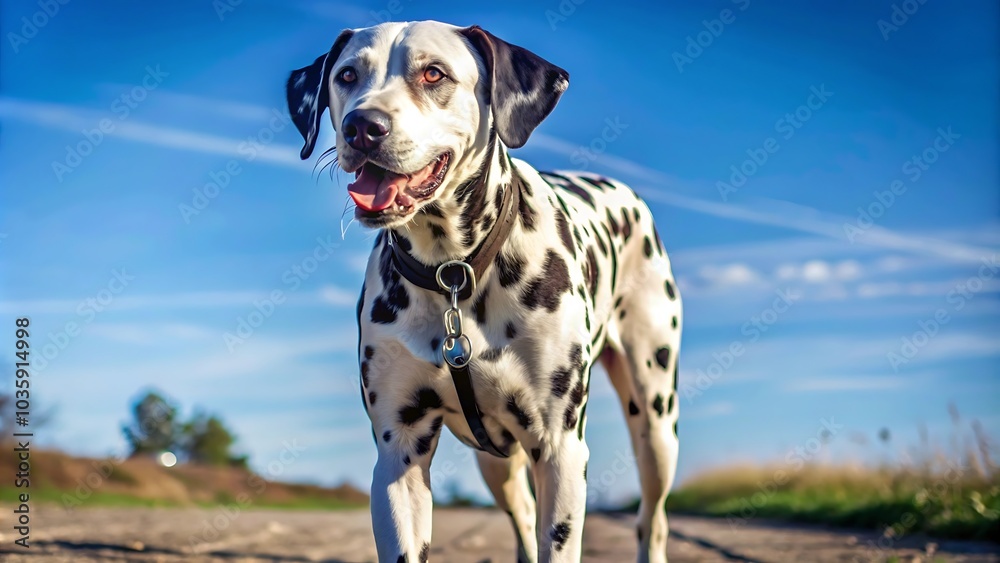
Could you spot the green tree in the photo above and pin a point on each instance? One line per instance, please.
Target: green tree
(207, 440)
(154, 426)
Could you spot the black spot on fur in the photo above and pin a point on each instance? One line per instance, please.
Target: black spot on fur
(670, 290)
(487, 223)
(424, 400)
(621, 315)
(523, 418)
(612, 223)
(578, 191)
(437, 231)
(432, 209)
(626, 225)
(406, 461)
(479, 306)
(536, 453)
(600, 242)
(560, 381)
(658, 404)
(659, 243)
(382, 312)
(491, 354)
(675, 430)
(584, 471)
(576, 397)
(593, 273)
(663, 357)
(633, 409)
(426, 549)
(635, 214)
(511, 332)
(670, 403)
(673, 322)
(576, 356)
(527, 214)
(675, 377)
(402, 558)
(364, 374)
(435, 344)
(597, 185)
(647, 247)
(547, 290)
(386, 436)
(564, 234)
(649, 363)
(569, 417)
(509, 268)
(371, 397)
(560, 535)
(369, 352)
(424, 442)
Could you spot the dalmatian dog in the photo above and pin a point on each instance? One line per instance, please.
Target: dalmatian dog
(424, 114)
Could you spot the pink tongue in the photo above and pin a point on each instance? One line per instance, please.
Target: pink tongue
(375, 189)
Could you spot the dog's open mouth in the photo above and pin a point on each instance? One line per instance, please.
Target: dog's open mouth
(376, 190)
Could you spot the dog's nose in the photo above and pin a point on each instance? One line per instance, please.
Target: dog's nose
(364, 129)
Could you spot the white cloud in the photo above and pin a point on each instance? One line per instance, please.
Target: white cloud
(76, 119)
(729, 275)
(851, 383)
(711, 410)
(329, 295)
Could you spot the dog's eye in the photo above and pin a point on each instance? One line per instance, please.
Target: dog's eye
(347, 75)
(432, 74)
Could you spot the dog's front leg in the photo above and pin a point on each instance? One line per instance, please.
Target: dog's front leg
(401, 508)
(562, 499)
(401, 485)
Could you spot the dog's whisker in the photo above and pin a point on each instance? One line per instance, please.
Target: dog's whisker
(347, 208)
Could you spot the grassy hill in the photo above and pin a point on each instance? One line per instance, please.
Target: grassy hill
(80, 482)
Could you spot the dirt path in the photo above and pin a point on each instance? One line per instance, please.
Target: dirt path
(460, 535)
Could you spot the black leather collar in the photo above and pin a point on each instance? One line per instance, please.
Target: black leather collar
(482, 256)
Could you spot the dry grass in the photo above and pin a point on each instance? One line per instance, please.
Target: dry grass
(80, 482)
(951, 492)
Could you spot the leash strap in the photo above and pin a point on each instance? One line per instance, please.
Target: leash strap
(457, 280)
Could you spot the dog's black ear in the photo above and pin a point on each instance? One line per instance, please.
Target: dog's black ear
(308, 95)
(523, 87)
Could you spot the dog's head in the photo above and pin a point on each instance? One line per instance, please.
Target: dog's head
(414, 106)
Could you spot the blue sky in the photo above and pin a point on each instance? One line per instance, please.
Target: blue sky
(783, 268)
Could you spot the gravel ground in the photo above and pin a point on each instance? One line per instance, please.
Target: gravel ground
(476, 535)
